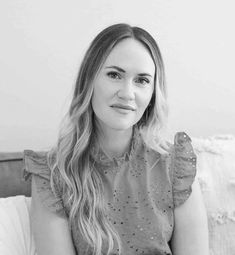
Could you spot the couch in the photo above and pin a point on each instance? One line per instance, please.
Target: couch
(11, 182)
(215, 171)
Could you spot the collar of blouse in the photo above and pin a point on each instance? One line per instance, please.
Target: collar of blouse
(99, 155)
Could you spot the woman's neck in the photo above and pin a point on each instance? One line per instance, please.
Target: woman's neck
(115, 142)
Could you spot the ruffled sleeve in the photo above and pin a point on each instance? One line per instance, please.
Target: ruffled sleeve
(35, 163)
(183, 167)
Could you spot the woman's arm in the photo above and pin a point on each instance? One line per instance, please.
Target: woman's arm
(190, 236)
(51, 232)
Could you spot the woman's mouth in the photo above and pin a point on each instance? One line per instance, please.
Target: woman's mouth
(123, 109)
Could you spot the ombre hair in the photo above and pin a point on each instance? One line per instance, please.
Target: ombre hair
(80, 183)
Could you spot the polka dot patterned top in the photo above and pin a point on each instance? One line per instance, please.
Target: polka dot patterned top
(143, 188)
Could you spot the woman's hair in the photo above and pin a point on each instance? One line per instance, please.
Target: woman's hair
(80, 183)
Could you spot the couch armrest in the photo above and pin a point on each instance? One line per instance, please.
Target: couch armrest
(11, 182)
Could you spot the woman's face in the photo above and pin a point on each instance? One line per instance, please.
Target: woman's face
(124, 86)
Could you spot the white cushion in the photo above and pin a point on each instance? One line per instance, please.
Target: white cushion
(216, 174)
(15, 233)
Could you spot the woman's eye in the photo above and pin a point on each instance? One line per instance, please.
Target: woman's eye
(113, 75)
(143, 81)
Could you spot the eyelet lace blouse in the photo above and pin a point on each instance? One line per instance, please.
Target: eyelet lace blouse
(144, 187)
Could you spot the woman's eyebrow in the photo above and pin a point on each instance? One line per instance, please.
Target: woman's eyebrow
(123, 71)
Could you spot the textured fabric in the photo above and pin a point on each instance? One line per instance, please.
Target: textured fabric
(216, 175)
(15, 234)
(36, 163)
(142, 188)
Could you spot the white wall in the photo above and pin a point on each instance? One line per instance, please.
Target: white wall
(43, 41)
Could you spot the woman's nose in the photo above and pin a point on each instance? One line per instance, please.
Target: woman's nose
(126, 92)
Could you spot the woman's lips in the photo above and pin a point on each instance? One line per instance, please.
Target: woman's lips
(124, 107)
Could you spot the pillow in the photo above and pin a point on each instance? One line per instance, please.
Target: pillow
(15, 233)
(216, 175)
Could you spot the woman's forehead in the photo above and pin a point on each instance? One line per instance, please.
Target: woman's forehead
(131, 55)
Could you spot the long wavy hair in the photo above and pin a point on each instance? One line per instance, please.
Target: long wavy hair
(80, 183)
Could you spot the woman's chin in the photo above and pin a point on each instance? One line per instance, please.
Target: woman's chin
(121, 126)
(118, 125)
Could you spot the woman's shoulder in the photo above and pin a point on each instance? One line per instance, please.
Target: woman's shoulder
(183, 142)
(181, 145)
(182, 155)
(35, 162)
(182, 166)
(34, 155)
(178, 162)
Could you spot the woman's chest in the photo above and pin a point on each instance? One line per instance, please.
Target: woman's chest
(140, 209)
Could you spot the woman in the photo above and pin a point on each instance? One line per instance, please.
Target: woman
(113, 184)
